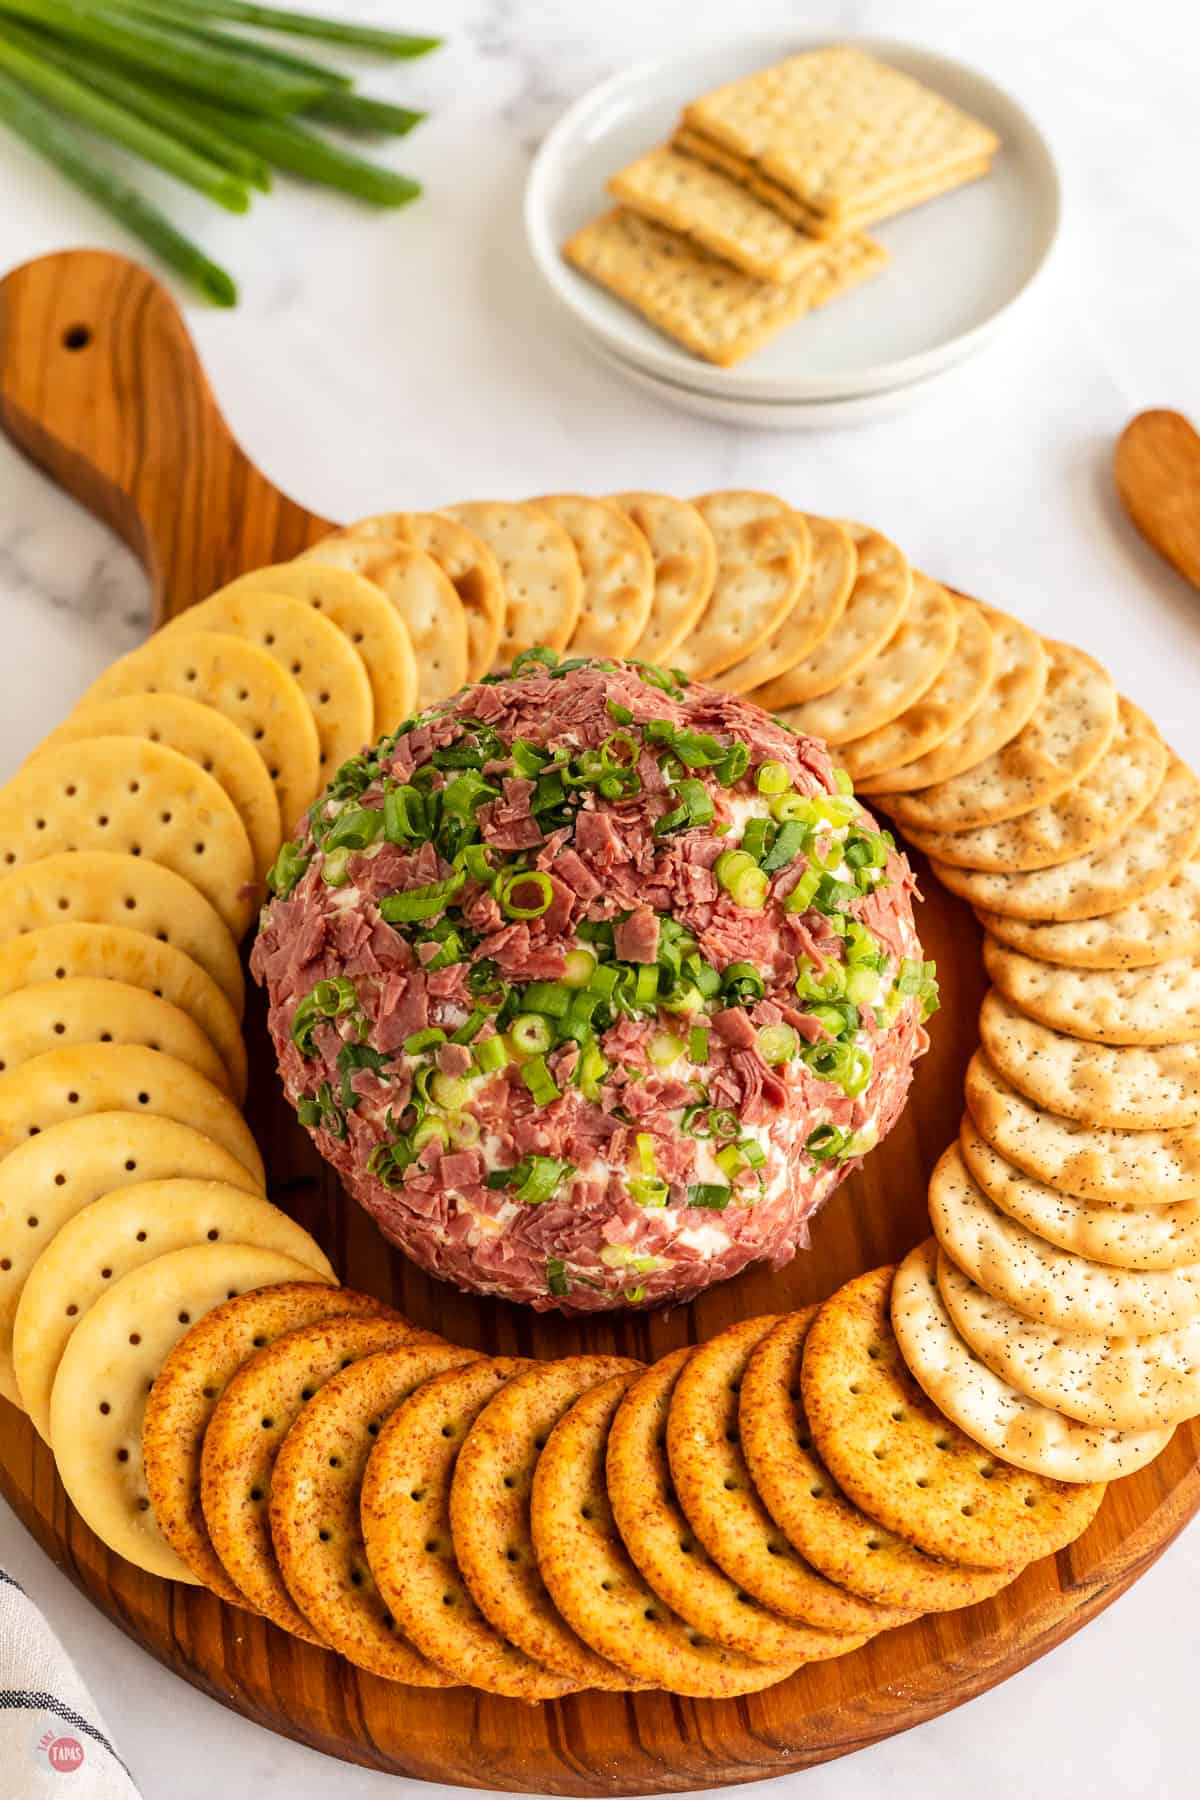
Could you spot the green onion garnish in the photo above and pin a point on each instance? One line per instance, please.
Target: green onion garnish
(772, 778)
(422, 902)
(531, 1034)
(698, 1044)
(539, 1081)
(417, 1041)
(525, 894)
(556, 1277)
(287, 869)
(713, 1196)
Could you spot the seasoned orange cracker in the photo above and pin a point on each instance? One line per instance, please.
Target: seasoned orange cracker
(130, 795)
(718, 1496)
(489, 1513)
(617, 568)
(904, 1463)
(594, 1583)
(711, 309)
(260, 1404)
(763, 552)
(543, 583)
(46, 1181)
(57, 953)
(685, 567)
(95, 1078)
(425, 598)
(806, 1502)
(405, 1515)
(362, 613)
(1027, 1433)
(99, 1397)
(198, 732)
(878, 601)
(1162, 926)
(118, 1232)
(187, 1388)
(242, 681)
(833, 563)
(1159, 1005)
(465, 558)
(316, 1486)
(894, 678)
(666, 1549)
(101, 887)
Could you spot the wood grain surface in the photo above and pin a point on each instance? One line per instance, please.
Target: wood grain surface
(100, 385)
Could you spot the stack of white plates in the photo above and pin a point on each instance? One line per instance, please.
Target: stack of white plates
(958, 266)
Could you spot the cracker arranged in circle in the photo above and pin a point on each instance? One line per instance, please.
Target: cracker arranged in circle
(1015, 688)
(463, 556)
(721, 1504)
(667, 1551)
(320, 659)
(1068, 733)
(118, 1232)
(988, 1408)
(1163, 926)
(1092, 1162)
(763, 552)
(805, 1501)
(88, 1010)
(1093, 812)
(685, 567)
(316, 1486)
(832, 565)
(1159, 1005)
(1134, 1086)
(945, 705)
(198, 732)
(905, 1464)
(79, 952)
(1128, 1236)
(543, 583)
(47, 1180)
(617, 568)
(362, 613)
(1146, 855)
(489, 1513)
(107, 1371)
(190, 1383)
(101, 887)
(1044, 1281)
(242, 681)
(141, 798)
(595, 1584)
(877, 603)
(1119, 1384)
(894, 678)
(249, 1422)
(96, 1078)
(405, 1515)
(423, 596)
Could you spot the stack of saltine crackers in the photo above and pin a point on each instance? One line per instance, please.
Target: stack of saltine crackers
(756, 211)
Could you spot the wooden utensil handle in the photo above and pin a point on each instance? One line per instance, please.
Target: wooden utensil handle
(100, 384)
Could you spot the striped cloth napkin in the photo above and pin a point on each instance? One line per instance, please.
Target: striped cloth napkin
(49, 1725)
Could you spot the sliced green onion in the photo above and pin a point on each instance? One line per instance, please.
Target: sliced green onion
(578, 968)
(539, 1081)
(449, 1092)
(422, 902)
(698, 1044)
(713, 1196)
(528, 759)
(828, 983)
(696, 798)
(664, 1049)
(590, 1072)
(644, 1142)
(308, 1112)
(470, 1028)
(526, 894)
(778, 1044)
(531, 1034)
(741, 982)
(556, 1277)
(742, 879)
(541, 1180)
(648, 1190)
(827, 1143)
(645, 987)
(635, 1295)
(335, 869)
(528, 660)
(772, 778)
(354, 829)
(685, 997)
(293, 858)
(733, 765)
(804, 893)
(491, 1054)
(706, 978)
(405, 819)
(757, 838)
(789, 842)
(842, 781)
(620, 713)
(417, 1041)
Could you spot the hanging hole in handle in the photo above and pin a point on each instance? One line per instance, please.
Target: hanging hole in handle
(77, 337)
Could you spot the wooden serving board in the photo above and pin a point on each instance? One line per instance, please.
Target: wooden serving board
(100, 385)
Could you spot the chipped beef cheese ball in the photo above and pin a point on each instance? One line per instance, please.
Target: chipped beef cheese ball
(592, 985)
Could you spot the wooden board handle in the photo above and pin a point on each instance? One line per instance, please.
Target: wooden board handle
(100, 385)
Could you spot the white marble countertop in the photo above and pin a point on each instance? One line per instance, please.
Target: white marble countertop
(405, 360)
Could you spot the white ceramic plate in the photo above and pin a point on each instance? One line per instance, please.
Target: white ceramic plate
(958, 264)
(764, 415)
